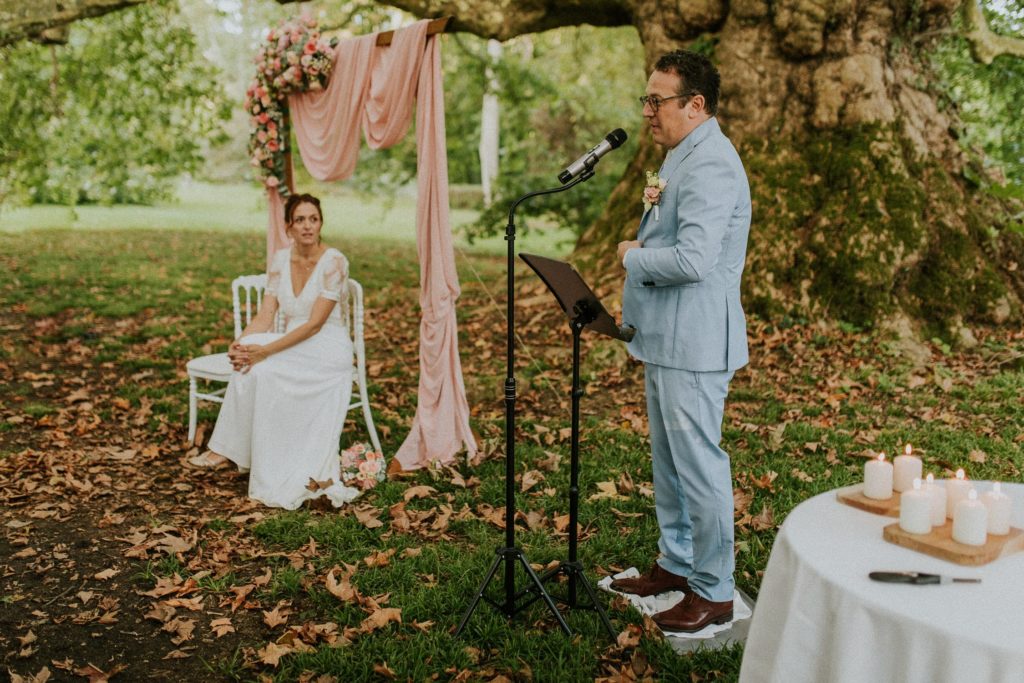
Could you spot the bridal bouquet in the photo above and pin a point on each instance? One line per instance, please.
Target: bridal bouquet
(293, 58)
(362, 467)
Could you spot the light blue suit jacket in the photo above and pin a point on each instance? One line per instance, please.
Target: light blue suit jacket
(682, 290)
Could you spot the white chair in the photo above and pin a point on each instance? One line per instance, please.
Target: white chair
(352, 314)
(217, 368)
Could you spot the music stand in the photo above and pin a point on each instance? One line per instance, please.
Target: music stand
(584, 310)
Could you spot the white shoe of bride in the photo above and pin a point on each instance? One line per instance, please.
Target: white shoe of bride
(208, 459)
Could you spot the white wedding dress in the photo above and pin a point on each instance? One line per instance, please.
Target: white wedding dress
(282, 420)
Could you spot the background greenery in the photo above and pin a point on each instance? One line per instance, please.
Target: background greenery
(140, 96)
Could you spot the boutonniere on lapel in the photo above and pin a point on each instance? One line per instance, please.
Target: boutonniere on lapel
(652, 192)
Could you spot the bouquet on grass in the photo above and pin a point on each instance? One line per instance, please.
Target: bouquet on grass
(362, 467)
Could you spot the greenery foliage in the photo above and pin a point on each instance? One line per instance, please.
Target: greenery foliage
(988, 97)
(114, 116)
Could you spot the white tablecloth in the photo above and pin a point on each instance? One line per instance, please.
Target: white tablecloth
(819, 618)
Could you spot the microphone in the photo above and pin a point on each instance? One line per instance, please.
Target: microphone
(589, 160)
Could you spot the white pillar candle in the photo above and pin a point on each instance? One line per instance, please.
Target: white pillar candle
(938, 496)
(878, 478)
(907, 468)
(916, 510)
(956, 490)
(970, 520)
(999, 509)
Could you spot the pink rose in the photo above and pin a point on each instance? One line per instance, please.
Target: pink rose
(263, 118)
(273, 146)
(310, 47)
(652, 194)
(261, 136)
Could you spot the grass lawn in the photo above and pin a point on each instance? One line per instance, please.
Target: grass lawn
(99, 316)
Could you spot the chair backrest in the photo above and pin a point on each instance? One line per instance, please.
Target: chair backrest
(247, 289)
(351, 315)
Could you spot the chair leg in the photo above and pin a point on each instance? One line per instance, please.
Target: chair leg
(368, 418)
(192, 389)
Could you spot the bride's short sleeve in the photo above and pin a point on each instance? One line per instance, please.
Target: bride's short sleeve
(335, 273)
(274, 274)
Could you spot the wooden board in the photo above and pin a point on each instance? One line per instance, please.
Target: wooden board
(854, 496)
(939, 543)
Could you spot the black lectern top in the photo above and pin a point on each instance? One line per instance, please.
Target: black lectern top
(575, 296)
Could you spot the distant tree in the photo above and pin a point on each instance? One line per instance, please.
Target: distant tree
(113, 116)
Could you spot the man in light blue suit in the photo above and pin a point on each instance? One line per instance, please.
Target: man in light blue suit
(682, 294)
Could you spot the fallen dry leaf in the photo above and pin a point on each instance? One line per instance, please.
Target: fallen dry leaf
(342, 590)
(272, 653)
(422, 491)
(606, 489)
(98, 675)
(277, 616)
(380, 618)
(222, 627)
(41, 677)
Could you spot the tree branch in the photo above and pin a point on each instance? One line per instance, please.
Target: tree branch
(21, 20)
(986, 45)
(496, 18)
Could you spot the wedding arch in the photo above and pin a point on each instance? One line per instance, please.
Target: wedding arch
(374, 87)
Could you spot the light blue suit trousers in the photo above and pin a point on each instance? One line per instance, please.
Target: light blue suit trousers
(692, 478)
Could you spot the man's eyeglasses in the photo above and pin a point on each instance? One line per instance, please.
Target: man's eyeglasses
(655, 102)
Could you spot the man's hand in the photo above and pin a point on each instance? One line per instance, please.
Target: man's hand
(626, 246)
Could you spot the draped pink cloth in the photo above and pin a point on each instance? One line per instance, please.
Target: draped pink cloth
(374, 89)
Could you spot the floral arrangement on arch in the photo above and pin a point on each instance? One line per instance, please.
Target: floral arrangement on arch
(362, 467)
(293, 58)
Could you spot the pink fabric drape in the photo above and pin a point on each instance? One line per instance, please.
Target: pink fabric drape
(375, 89)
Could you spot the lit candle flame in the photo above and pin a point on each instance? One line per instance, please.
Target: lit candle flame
(930, 478)
(908, 449)
(960, 473)
(881, 457)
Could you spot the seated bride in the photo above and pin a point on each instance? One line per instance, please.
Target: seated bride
(284, 407)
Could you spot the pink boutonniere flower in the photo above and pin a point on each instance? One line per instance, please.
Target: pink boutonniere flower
(652, 192)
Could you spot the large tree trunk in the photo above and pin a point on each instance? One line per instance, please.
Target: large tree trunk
(862, 207)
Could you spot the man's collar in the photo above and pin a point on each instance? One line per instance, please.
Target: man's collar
(693, 138)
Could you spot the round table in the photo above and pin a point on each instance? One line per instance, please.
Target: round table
(819, 618)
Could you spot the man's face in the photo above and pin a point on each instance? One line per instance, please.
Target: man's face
(674, 119)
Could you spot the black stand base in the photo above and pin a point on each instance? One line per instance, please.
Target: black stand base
(509, 556)
(575, 574)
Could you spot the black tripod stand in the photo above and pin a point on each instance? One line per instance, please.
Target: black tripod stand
(584, 310)
(509, 555)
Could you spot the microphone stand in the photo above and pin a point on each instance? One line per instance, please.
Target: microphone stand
(510, 554)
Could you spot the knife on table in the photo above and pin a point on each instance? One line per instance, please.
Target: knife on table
(919, 578)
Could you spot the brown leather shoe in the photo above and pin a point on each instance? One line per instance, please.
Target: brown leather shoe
(694, 613)
(655, 580)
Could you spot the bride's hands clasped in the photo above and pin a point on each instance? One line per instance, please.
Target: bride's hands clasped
(244, 356)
